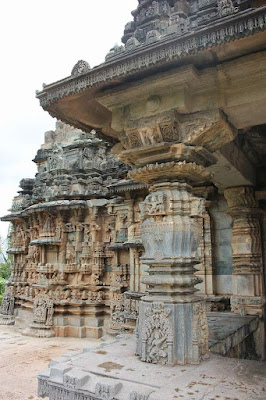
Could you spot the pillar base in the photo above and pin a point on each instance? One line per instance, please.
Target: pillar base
(247, 296)
(7, 319)
(172, 334)
(39, 330)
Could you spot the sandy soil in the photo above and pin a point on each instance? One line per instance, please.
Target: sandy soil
(22, 357)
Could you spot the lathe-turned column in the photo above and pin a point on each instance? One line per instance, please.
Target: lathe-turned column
(171, 152)
(172, 324)
(248, 285)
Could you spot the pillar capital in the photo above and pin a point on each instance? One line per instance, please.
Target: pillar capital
(182, 171)
(170, 136)
(241, 197)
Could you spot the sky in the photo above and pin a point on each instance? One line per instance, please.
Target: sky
(41, 40)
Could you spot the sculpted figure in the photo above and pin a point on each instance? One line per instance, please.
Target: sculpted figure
(43, 310)
(157, 347)
(70, 253)
(7, 306)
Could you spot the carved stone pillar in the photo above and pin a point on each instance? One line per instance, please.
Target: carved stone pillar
(172, 321)
(248, 285)
(170, 151)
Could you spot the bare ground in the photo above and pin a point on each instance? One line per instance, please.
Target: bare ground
(22, 357)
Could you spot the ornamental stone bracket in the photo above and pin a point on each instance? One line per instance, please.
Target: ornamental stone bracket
(248, 282)
(190, 138)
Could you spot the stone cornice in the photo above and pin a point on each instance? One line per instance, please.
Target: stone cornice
(126, 186)
(164, 52)
(48, 206)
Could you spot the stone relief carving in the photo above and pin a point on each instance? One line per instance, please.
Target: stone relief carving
(43, 310)
(69, 259)
(157, 338)
(82, 247)
(48, 228)
(226, 7)
(138, 396)
(200, 332)
(80, 67)
(7, 308)
(154, 204)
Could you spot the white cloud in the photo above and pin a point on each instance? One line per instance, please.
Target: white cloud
(40, 42)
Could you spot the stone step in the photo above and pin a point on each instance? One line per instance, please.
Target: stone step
(231, 335)
(114, 372)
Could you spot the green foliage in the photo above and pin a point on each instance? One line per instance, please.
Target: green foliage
(2, 288)
(5, 270)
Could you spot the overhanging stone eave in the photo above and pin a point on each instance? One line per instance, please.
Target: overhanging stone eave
(127, 65)
(11, 217)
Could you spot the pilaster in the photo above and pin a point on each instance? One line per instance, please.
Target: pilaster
(248, 281)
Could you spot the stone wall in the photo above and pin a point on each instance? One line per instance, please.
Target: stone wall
(73, 238)
(77, 246)
(222, 249)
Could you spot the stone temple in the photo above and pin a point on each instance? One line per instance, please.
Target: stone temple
(148, 211)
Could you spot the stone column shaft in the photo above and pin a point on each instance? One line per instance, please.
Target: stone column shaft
(172, 325)
(248, 281)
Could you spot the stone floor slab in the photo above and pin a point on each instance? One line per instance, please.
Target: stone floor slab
(114, 372)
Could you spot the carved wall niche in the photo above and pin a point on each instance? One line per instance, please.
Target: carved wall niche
(52, 254)
(43, 310)
(48, 226)
(19, 237)
(7, 307)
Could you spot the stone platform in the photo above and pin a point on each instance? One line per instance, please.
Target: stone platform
(231, 335)
(113, 372)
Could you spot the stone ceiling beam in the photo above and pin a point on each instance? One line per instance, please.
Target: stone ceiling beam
(232, 168)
